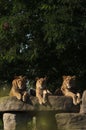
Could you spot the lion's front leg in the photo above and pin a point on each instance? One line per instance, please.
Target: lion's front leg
(78, 98)
(39, 95)
(17, 95)
(40, 98)
(75, 99)
(73, 96)
(45, 96)
(25, 96)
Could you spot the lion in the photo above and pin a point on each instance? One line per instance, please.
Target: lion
(41, 90)
(67, 86)
(19, 88)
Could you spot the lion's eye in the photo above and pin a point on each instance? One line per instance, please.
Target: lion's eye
(39, 81)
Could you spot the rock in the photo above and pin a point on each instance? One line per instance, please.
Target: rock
(17, 113)
(71, 121)
(12, 121)
(13, 104)
(83, 105)
(9, 120)
(55, 103)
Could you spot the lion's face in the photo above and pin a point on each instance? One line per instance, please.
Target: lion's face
(41, 83)
(19, 82)
(69, 81)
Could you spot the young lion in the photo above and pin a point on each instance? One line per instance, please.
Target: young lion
(67, 86)
(19, 88)
(41, 90)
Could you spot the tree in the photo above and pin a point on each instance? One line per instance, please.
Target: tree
(39, 38)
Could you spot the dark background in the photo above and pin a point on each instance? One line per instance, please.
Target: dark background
(43, 38)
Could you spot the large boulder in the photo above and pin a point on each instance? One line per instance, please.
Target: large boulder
(56, 103)
(71, 121)
(12, 121)
(83, 105)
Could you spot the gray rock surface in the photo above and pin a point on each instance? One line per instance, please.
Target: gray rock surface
(71, 121)
(17, 121)
(83, 105)
(56, 103)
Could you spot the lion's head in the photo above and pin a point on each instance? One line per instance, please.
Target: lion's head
(41, 83)
(69, 82)
(19, 82)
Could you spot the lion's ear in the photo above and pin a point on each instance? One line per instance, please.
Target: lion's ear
(18, 77)
(74, 77)
(14, 77)
(25, 77)
(45, 78)
(36, 78)
(64, 76)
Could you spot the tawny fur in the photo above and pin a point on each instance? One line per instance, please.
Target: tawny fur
(68, 82)
(18, 88)
(41, 90)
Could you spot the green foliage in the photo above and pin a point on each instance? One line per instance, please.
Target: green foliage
(42, 38)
